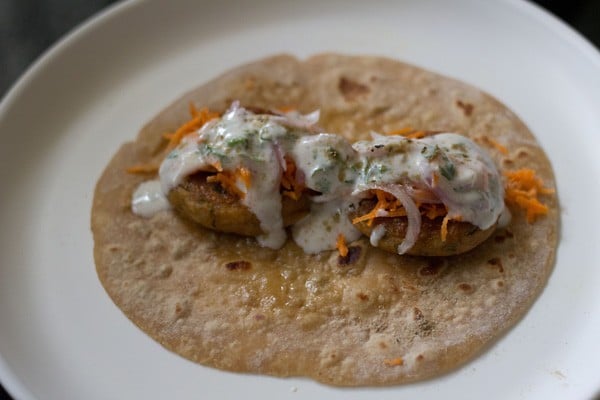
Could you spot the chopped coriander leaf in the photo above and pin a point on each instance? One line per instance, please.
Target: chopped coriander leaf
(241, 142)
(448, 171)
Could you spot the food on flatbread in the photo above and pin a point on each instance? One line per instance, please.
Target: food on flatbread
(364, 317)
(459, 236)
(267, 166)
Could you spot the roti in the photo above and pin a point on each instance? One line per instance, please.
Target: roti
(370, 318)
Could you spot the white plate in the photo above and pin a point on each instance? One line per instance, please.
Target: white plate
(60, 335)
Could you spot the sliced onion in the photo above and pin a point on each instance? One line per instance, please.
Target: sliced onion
(423, 195)
(412, 213)
(294, 119)
(235, 105)
(280, 153)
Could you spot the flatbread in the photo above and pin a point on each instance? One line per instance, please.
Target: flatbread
(371, 318)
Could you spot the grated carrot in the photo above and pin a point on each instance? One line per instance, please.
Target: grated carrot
(228, 180)
(286, 109)
(199, 119)
(388, 206)
(143, 169)
(416, 135)
(341, 245)
(491, 142)
(432, 211)
(391, 207)
(444, 228)
(401, 131)
(384, 203)
(394, 362)
(408, 132)
(292, 188)
(522, 189)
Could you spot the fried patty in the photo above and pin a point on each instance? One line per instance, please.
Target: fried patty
(461, 237)
(213, 207)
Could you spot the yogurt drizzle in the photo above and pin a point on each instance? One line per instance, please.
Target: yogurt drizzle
(445, 168)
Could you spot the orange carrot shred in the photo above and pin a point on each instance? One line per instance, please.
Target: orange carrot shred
(408, 132)
(394, 362)
(341, 245)
(286, 109)
(416, 135)
(432, 211)
(522, 189)
(228, 180)
(198, 120)
(393, 208)
(382, 204)
(491, 142)
(143, 169)
(292, 188)
(444, 228)
(401, 131)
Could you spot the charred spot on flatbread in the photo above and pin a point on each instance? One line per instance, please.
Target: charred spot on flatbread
(351, 90)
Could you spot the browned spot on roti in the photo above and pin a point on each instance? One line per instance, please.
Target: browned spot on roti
(420, 357)
(164, 271)
(507, 162)
(503, 235)
(496, 262)
(362, 296)
(383, 345)
(466, 288)
(434, 267)
(238, 265)
(352, 89)
(182, 310)
(467, 108)
(423, 324)
(522, 153)
(350, 258)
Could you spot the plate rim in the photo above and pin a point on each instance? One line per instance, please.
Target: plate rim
(89, 26)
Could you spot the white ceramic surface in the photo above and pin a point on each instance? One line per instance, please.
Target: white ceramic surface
(60, 335)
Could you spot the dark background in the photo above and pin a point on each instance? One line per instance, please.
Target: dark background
(28, 27)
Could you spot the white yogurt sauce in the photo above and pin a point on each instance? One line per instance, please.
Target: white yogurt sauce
(447, 165)
(376, 235)
(445, 168)
(324, 160)
(149, 199)
(240, 139)
(319, 230)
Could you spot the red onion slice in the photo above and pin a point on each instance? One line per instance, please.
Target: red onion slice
(423, 195)
(294, 119)
(412, 212)
(280, 154)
